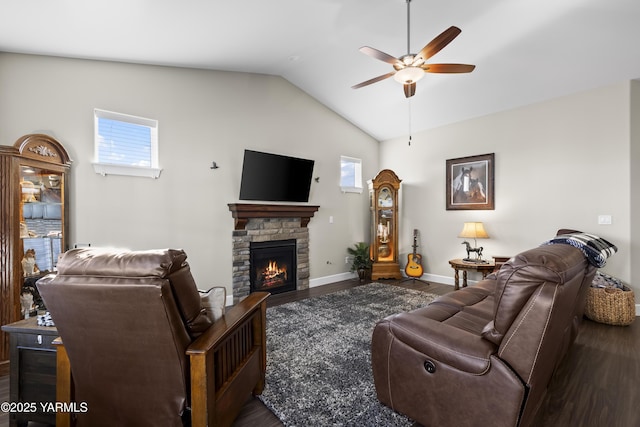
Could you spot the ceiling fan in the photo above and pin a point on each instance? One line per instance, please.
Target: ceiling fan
(410, 68)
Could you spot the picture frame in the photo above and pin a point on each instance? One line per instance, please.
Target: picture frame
(470, 183)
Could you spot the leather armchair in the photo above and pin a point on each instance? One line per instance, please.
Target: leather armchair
(137, 348)
(484, 355)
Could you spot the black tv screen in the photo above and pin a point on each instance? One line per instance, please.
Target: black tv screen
(272, 177)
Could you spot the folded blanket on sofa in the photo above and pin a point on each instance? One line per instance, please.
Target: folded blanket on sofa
(595, 248)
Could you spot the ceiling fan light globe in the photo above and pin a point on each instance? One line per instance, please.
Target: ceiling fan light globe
(409, 75)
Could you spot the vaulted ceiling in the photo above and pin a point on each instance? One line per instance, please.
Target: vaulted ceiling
(525, 51)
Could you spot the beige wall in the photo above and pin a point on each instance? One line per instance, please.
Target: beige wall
(203, 116)
(559, 164)
(635, 183)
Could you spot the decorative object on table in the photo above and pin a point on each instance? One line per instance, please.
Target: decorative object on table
(383, 196)
(410, 68)
(473, 230)
(361, 259)
(45, 319)
(470, 183)
(610, 301)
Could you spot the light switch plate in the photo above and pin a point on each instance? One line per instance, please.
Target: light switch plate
(604, 219)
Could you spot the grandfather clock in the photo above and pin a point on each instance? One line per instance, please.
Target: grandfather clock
(383, 195)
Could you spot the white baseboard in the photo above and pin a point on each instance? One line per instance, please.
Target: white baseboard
(348, 276)
(447, 280)
(331, 279)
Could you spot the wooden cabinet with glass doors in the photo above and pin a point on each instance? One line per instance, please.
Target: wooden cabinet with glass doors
(383, 195)
(34, 224)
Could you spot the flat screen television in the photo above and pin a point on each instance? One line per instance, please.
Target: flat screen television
(272, 177)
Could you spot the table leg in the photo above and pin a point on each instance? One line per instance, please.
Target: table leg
(464, 278)
(456, 280)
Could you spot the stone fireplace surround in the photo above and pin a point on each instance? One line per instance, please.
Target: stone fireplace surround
(262, 223)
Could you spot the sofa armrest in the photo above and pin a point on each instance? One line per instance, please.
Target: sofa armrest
(447, 344)
(228, 362)
(232, 319)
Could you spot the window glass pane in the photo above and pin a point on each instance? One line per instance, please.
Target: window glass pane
(124, 143)
(350, 174)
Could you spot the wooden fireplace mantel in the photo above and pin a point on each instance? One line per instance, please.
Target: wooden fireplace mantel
(242, 212)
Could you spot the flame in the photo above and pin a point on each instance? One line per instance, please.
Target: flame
(272, 275)
(272, 270)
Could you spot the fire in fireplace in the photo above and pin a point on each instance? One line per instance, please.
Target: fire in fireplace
(273, 266)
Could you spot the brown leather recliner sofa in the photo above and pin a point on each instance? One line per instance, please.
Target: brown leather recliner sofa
(138, 348)
(484, 355)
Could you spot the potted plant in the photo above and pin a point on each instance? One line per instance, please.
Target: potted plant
(361, 261)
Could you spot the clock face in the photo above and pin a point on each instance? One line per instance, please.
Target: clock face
(385, 198)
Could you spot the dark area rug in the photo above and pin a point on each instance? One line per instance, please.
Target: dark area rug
(319, 356)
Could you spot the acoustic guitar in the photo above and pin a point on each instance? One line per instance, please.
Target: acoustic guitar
(414, 261)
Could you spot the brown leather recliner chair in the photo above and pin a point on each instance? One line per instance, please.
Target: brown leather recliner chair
(138, 349)
(484, 355)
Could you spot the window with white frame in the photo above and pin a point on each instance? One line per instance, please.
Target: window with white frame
(350, 174)
(125, 144)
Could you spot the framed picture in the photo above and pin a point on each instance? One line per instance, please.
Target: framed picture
(470, 183)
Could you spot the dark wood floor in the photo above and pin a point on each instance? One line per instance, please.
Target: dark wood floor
(595, 386)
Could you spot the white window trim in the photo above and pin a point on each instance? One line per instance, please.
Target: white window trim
(112, 169)
(105, 169)
(358, 165)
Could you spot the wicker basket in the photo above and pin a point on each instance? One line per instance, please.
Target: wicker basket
(613, 306)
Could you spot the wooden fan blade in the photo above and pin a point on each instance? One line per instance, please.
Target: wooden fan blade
(373, 80)
(377, 54)
(437, 44)
(409, 89)
(448, 68)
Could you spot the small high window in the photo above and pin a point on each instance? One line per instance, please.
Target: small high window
(350, 175)
(125, 145)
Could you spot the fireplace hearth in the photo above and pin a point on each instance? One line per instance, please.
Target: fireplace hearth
(273, 266)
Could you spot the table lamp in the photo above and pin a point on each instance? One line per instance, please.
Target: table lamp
(473, 230)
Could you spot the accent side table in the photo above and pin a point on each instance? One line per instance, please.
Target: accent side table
(459, 264)
(33, 369)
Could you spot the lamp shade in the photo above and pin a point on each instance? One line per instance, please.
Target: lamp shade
(473, 230)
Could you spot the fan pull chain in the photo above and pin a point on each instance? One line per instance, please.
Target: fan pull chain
(409, 122)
